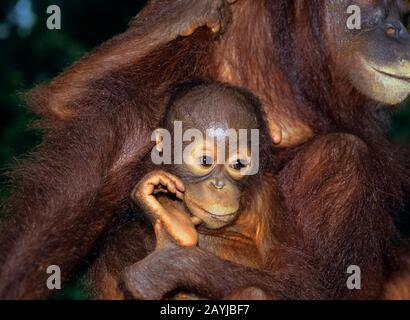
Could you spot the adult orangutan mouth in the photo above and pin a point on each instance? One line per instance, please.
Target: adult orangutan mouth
(391, 75)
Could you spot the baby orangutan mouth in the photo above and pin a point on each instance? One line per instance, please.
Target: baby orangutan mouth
(215, 211)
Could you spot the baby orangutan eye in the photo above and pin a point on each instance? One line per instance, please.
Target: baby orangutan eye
(206, 161)
(239, 164)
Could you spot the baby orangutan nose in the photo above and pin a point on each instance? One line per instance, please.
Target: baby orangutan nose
(218, 183)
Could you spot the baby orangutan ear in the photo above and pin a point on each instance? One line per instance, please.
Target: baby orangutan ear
(159, 139)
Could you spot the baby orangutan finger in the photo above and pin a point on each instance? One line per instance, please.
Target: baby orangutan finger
(162, 179)
(178, 182)
(158, 181)
(196, 220)
(179, 195)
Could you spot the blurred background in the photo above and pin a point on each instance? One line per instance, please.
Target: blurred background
(31, 54)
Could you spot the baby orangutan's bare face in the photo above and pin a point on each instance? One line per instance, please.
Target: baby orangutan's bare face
(209, 188)
(213, 187)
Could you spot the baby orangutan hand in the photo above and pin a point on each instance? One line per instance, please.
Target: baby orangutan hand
(177, 223)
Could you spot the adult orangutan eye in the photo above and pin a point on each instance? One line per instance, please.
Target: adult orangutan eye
(239, 164)
(406, 21)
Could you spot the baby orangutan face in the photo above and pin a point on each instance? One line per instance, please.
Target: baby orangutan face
(208, 186)
(209, 181)
(213, 185)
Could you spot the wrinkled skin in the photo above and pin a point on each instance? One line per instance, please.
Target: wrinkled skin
(376, 57)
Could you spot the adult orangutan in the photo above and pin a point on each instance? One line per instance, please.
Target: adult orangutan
(325, 90)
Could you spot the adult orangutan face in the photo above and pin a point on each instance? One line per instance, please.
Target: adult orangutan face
(376, 58)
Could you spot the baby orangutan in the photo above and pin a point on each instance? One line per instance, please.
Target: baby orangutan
(214, 187)
(207, 185)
